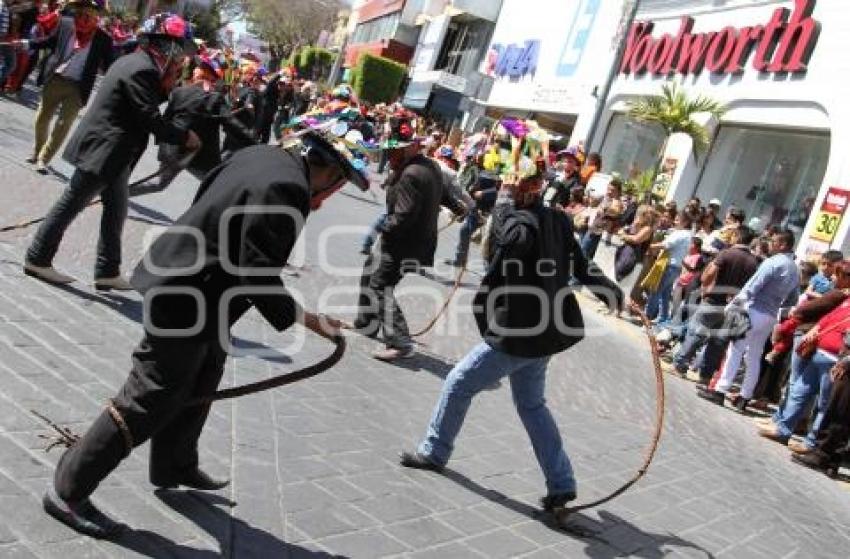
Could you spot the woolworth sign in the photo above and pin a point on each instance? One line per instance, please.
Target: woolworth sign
(782, 44)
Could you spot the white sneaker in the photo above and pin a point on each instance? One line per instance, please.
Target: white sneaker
(664, 336)
(47, 274)
(117, 283)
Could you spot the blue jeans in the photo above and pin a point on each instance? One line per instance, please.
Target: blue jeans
(658, 304)
(482, 367)
(374, 230)
(8, 61)
(792, 378)
(703, 330)
(812, 380)
(470, 224)
(81, 190)
(589, 244)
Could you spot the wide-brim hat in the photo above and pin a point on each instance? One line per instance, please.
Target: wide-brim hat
(99, 5)
(344, 146)
(402, 132)
(571, 152)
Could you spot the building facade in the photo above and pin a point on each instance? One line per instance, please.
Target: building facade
(383, 28)
(452, 43)
(546, 60)
(779, 153)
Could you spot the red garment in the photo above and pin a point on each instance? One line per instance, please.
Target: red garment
(119, 36)
(784, 333)
(48, 22)
(831, 328)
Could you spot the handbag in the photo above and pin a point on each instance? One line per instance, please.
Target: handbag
(652, 281)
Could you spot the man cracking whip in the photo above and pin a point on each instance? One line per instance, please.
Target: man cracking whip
(222, 257)
(408, 237)
(200, 107)
(107, 145)
(526, 313)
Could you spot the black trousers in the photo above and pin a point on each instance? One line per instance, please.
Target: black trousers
(377, 306)
(81, 190)
(166, 373)
(834, 435)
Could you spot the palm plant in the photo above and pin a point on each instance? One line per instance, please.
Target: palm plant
(674, 110)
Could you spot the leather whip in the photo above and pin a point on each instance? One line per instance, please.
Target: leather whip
(659, 422)
(181, 163)
(67, 438)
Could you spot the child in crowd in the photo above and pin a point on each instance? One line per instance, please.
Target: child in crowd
(688, 280)
(821, 282)
(814, 282)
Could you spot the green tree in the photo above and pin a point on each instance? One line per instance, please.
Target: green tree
(377, 79)
(674, 112)
(286, 26)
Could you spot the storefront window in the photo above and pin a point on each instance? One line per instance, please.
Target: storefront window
(773, 175)
(630, 147)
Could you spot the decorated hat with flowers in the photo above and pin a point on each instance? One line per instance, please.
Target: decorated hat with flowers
(402, 131)
(343, 145)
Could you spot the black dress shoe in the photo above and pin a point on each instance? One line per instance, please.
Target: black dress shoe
(419, 462)
(556, 501)
(740, 404)
(817, 460)
(195, 479)
(82, 517)
(712, 396)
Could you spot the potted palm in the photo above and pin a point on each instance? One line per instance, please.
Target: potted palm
(674, 112)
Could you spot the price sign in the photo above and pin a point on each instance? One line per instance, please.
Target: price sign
(829, 217)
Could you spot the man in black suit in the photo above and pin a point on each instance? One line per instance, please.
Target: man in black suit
(408, 238)
(246, 108)
(106, 146)
(79, 49)
(199, 107)
(218, 260)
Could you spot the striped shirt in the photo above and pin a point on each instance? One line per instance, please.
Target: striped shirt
(5, 18)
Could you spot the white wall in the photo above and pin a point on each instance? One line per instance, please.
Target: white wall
(815, 99)
(559, 25)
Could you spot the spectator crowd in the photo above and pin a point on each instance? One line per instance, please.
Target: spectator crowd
(728, 298)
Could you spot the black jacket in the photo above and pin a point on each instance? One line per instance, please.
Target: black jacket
(413, 206)
(246, 108)
(114, 133)
(246, 262)
(557, 192)
(526, 286)
(192, 108)
(99, 58)
(270, 100)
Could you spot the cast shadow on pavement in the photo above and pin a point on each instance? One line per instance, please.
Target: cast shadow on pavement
(148, 215)
(433, 364)
(582, 526)
(209, 512)
(447, 282)
(132, 309)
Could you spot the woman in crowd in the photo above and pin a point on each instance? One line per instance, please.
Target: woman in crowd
(817, 352)
(636, 238)
(676, 244)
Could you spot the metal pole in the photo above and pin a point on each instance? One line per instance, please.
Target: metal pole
(332, 78)
(602, 99)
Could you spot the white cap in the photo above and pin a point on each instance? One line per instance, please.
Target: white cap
(715, 202)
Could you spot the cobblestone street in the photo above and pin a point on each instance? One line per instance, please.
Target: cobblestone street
(314, 465)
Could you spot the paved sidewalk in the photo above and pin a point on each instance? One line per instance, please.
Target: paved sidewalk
(314, 464)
